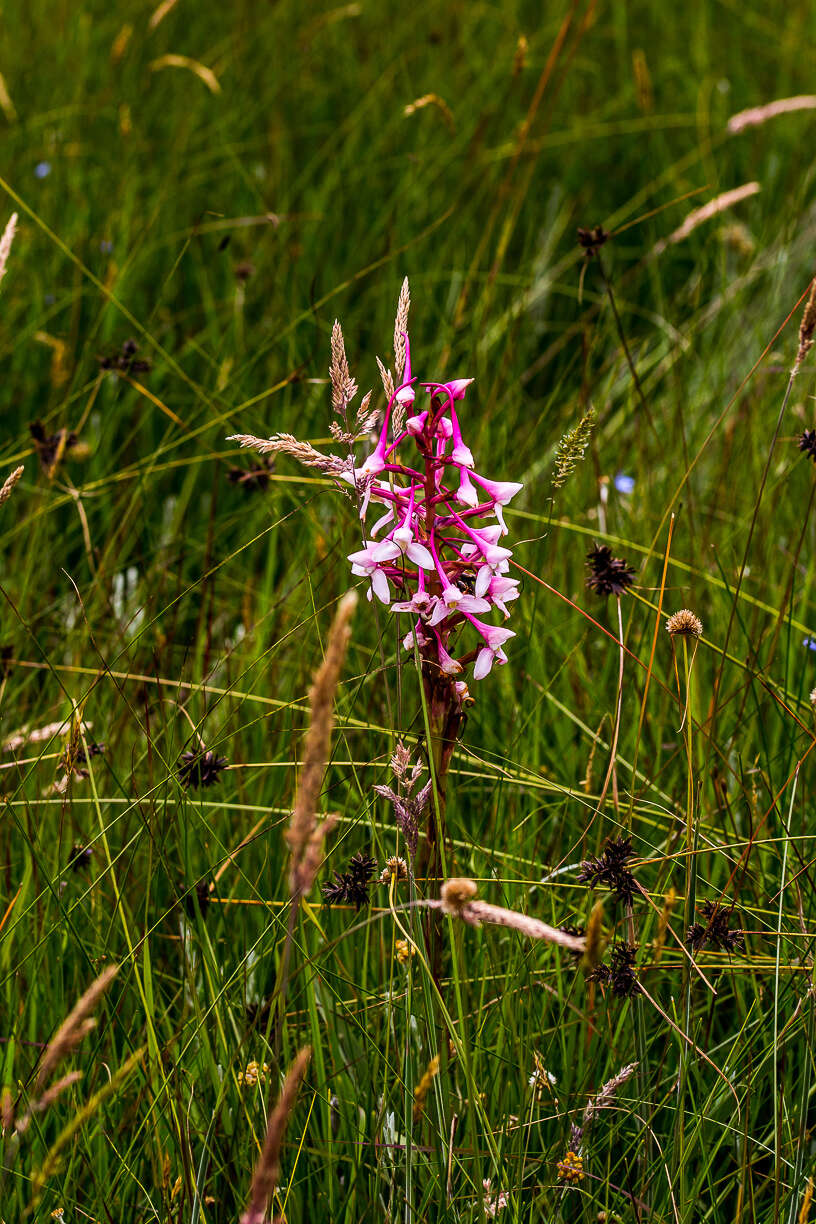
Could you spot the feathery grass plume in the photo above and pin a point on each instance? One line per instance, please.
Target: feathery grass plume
(304, 452)
(572, 448)
(343, 386)
(400, 332)
(304, 834)
(607, 1093)
(761, 114)
(6, 241)
(74, 1027)
(808, 326)
(387, 380)
(423, 1087)
(51, 1162)
(366, 420)
(267, 1170)
(699, 216)
(400, 327)
(48, 1098)
(9, 483)
(458, 900)
(37, 735)
(684, 624)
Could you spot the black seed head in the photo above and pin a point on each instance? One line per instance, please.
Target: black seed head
(351, 887)
(80, 857)
(612, 869)
(807, 444)
(199, 769)
(591, 240)
(716, 931)
(608, 575)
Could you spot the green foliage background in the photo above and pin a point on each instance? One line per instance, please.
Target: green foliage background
(224, 222)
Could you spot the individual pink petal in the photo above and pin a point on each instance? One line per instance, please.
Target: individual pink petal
(483, 664)
(379, 585)
(419, 554)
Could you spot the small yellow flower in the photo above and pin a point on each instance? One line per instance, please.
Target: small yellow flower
(404, 951)
(571, 1168)
(254, 1072)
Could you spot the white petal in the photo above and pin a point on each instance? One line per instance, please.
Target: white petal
(483, 579)
(419, 554)
(439, 613)
(379, 584)
(483, 664)
(385, 551)
(472, 603)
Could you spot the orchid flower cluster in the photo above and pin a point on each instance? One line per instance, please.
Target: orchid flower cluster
(434, 555)
(435, 546)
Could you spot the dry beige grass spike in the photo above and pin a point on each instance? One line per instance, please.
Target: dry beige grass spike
(458, 899)
(74, 1027)
(9, 483)
(761, 114)
(699, 216)
(287, 444)
(267, 1170)
(400, 326)
(6, 241)
(343, 386)
(304, 834)
(806, 328)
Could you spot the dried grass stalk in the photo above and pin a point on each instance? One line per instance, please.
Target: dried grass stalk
(9, 483)
(700, 215)
(77, 1024)
(387, 379)
(304, 452)
(47, 1099)
(806, 329)
(400, 326)
(304, 835)
(761, 114)
(267, 1170)
(6, 241)
(343, 386)
(456, 900)
(607, 1093)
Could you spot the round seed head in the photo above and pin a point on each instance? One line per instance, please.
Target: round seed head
(456, 893)
(684, 624)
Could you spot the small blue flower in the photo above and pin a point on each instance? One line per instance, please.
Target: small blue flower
(42, 169)
(809, 642)
(624, 484)
(106, 246)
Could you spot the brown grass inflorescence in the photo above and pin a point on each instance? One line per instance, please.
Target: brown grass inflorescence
(267, 1170)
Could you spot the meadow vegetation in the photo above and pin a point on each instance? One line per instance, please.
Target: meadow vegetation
(228, 988)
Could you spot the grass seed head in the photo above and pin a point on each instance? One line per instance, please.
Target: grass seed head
(684, 624)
